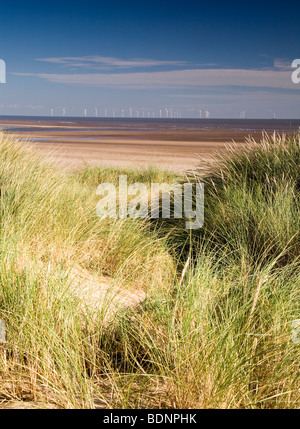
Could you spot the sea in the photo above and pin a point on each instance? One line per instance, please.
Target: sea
(38, 123)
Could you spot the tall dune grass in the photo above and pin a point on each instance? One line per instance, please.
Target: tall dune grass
(253, 200)
(215, 330)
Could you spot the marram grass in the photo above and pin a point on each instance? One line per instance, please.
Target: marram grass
(215, 330)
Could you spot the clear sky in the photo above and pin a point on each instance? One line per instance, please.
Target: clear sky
(149, 56)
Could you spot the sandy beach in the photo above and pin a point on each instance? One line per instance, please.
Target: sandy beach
(72, 145)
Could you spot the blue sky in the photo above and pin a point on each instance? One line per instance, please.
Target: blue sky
(155, 58)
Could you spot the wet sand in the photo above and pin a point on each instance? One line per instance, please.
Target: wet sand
(73, 145)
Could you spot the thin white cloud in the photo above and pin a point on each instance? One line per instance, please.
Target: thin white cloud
(100, 62)
(191, 78)
(20, 106)
(282, 64)
(239, 93)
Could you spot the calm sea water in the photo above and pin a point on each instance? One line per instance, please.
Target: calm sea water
(149, 124)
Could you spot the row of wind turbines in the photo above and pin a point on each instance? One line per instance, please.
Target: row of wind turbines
(131, 113)
(140, 113)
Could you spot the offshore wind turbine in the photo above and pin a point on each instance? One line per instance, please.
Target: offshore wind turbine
(64, 111)
(160, 113)
(96, 112)
(167, 113)
(84, 112)
(51, 110)
(130, 112)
